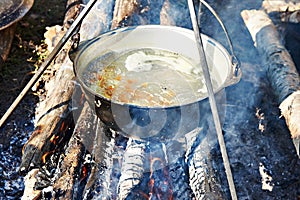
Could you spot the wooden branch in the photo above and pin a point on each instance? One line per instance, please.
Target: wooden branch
(281, 69)
(53, 116)
(280, 6)
(6, 37)
(285, 11)
(131, 172)
(100, 182)
(54, 119)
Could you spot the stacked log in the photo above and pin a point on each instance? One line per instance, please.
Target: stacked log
(281, 69)
(71, 157)
(53, 114)
(286, 11)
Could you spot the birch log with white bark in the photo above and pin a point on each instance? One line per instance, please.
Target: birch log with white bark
(286, 11)
(281, 69)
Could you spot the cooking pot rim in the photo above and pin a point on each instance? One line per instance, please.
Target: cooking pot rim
(85, 45)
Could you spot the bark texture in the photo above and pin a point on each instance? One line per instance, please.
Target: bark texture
(281, 69)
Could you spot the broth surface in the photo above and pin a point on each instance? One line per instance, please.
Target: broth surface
(147, 77)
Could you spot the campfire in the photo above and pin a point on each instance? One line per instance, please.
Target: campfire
(72, 154)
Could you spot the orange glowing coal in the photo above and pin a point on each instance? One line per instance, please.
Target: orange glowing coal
(62, 127)
(44, 157)
(54, 139)
(84, 172)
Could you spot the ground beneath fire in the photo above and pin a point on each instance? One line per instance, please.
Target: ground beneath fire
(27, 51)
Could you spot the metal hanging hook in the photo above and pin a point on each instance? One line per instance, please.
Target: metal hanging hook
(211, 96)
(234, 61)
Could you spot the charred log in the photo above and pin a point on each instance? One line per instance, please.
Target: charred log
(203, 180)
(136, 13)
(71, 172)
(54, 113)
(102, 11)
(132, 170)
(103, 179)
(285, 11)
(281, 69)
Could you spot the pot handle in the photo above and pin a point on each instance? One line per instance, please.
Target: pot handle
(75, 50)
(236, 72)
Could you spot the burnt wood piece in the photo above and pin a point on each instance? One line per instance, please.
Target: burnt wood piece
(54, 116)
(72, 171)
(123, 9)
(290, 109)
(55, 121)
(132, 170)
(6, 37)
(98, 20)
(280, 6)
(281, 69)
(131, 13)
(203, 178)
(103, 177)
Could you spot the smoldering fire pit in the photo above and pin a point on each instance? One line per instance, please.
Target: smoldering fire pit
(90, 160)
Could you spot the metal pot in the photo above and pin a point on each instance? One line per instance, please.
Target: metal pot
(154, 122)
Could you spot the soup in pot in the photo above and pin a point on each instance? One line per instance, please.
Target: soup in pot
(147, 77)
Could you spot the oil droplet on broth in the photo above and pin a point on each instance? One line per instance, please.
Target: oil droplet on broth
(147, 77)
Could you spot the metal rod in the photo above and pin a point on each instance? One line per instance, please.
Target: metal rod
(212, 100)
(48, 60)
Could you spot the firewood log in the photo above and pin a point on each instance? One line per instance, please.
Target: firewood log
(290, 110)
(280, 6)
(70, 171)
(281, 69)
(54, 110)
(30, 180)
(136, 13)
(53, 114)
(90, 27)
(285, 11)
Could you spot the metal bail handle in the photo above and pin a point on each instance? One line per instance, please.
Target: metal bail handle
(234, 60)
